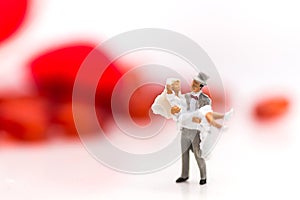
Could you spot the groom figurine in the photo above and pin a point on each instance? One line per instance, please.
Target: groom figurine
(190, 136)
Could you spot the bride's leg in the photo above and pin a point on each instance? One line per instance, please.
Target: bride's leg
(218, 115)
(211, 120)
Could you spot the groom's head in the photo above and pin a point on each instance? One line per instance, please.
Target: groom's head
(196, 86)
(199, 82)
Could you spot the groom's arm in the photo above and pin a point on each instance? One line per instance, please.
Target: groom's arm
(196, 120)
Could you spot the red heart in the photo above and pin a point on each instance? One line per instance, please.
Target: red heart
(23, 117)
(54, 73)
(271, 108)
(12, 14)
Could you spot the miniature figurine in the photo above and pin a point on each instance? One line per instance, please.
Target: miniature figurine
(194, 116)
(180, 104)
(190, 135)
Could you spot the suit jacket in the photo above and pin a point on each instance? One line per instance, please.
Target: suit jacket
(202, 101)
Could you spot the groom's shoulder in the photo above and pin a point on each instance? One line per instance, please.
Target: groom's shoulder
(204, 98)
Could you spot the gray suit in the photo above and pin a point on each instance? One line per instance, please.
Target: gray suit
(190, 139)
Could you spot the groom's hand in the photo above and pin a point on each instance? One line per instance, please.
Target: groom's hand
(196, 120)
(175, 109)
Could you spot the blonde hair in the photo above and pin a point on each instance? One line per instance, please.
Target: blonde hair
(161, 105)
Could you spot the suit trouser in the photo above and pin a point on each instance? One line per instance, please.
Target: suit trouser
(191, 139)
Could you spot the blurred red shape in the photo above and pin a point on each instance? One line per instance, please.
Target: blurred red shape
(24, 118)
(141, 101)
(66, 120)
(55, 70)
(12, 14)
(54, 73)
(271, 108)
(106, 84)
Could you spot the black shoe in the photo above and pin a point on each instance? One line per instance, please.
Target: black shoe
(180, 179)
(202, 181)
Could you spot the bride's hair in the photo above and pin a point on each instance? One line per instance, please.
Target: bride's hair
(161, 105)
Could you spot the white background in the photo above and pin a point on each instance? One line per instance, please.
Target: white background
(255, 46)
